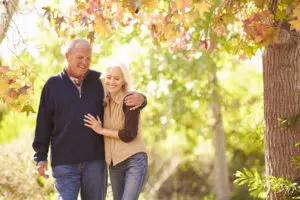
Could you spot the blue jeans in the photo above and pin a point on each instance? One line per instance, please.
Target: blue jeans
(128, 177)
(88, 177)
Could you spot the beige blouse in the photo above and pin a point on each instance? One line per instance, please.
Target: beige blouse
(117, 150)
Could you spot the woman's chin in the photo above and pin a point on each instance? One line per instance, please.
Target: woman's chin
(113, 92)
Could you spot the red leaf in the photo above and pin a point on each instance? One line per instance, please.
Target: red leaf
(23, 89)
(4, 69)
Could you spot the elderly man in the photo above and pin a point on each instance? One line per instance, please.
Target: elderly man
(77, 153)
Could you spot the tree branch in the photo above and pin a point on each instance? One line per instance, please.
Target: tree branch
(273, 6)
(7, 9)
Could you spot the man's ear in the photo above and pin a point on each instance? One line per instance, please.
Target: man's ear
(68, 55)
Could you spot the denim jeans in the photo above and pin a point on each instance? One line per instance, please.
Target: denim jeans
(128, 177)
(88, 177)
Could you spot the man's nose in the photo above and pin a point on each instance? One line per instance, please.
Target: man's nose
(85, 61)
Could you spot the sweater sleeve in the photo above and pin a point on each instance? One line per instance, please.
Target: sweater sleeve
(44, 125)
(130, 130)
(145, 102)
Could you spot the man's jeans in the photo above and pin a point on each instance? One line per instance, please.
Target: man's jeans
(88, 177)
(128, 177)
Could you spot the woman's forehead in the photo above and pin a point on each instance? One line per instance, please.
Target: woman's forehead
(114, 71)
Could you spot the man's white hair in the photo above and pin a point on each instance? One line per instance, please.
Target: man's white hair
(74, 42)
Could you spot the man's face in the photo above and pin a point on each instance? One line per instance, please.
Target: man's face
(79, 60)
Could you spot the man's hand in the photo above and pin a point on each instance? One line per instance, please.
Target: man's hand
(42, 167)
(134, 99)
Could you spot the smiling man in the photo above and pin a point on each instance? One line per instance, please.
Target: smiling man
(77, 153)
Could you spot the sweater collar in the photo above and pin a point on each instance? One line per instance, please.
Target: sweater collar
(91, 74)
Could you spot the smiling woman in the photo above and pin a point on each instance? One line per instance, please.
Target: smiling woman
(125, 151)
(117, 78)
(114, 80)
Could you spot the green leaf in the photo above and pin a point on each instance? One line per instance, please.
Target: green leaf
(260, 3)
(28, 109)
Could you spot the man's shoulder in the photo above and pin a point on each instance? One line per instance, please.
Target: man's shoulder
(94, 74)
(55, 78)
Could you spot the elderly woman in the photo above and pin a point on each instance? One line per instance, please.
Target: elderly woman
(125, 152)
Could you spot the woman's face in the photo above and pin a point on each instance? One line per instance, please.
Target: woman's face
(114, 80)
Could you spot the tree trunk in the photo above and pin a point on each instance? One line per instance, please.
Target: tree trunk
(220, 161)
(281, 74)
(7, 9)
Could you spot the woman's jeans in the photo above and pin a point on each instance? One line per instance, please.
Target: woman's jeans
(88, 177)
(128, 177)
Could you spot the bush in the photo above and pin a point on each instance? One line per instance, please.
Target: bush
(19, 179)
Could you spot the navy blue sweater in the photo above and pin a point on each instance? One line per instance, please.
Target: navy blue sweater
(60, 120)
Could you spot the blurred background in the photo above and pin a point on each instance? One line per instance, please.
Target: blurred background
(199, 110)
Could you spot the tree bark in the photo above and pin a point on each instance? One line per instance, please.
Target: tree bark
(7, 9)
(220, 161)
(281, 74)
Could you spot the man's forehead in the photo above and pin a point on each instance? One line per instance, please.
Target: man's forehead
(82, 50)
(82, 44)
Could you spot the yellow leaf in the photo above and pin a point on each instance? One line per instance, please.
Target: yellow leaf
(184, 5)
(4, 87)
(190, 18)
(295, 23)
(170, 31)
(61, 33)
(179, 4)
(260, 3)
(150, 4)
(202, 7)
(258, 39)
(99, 19)
(101, 29)
(100, 26)
(72, 36)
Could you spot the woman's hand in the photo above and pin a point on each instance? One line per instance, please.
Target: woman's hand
(93, 123)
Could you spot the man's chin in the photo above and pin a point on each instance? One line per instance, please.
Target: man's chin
(83, 71)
